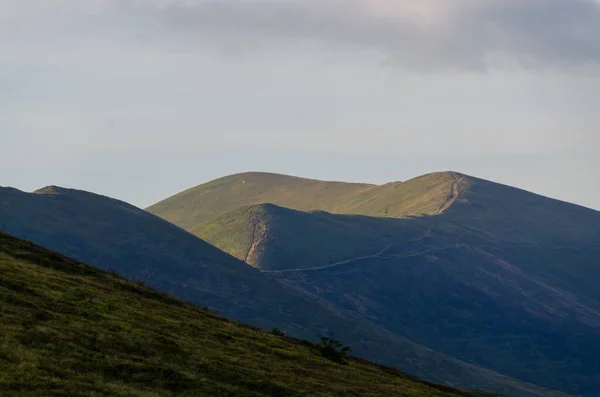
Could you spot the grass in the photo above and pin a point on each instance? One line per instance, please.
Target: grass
(71, 330)
(190, 209)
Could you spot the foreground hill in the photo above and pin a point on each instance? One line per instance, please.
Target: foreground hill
(108, 233)
(424, 195)
(498, 277)
(70, 329)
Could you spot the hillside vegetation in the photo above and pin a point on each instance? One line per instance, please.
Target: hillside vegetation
(191, 208)
(72, 330)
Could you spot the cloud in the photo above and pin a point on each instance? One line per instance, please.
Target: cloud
(413, 33)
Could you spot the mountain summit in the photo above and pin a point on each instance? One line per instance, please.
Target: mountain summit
(427, 194)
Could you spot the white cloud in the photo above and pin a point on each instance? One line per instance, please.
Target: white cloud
(418, 34)
(422, 34)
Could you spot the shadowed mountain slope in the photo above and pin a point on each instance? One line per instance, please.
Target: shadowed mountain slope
(270, 237)
(108, 233)
(424, 195)
(481, 305)
(70, 329)
(498, 277)
(485, 212)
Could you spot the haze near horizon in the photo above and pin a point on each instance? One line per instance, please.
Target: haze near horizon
(139, 100)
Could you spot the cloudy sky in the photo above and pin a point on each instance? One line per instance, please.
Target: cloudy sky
(141, 99)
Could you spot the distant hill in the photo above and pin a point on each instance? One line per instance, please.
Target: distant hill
(111, 234)
(496, 276)
(424, 195)
(70, 329)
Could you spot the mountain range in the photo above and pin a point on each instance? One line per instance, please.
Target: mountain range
(448, 277)
(115, 236)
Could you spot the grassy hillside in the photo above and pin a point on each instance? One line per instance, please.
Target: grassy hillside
(189, 209)
(108, 233)
(269, 237)
(71, 330)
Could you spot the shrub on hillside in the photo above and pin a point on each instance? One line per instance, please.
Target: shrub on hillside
(333, 350)
(277, 332)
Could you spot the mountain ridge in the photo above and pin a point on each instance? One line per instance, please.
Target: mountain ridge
(282, 177)
(421, 195)
(111, 234)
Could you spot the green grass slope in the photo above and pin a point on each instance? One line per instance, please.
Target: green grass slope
(108, 233)
(423, 195)
(71, 330)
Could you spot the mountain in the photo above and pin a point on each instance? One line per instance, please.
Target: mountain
(496, 276)
(424, 195)
(110, 234)
(71, 329)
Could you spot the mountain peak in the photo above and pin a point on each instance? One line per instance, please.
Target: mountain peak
(51, 190)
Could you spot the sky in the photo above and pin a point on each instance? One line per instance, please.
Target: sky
(140, 99)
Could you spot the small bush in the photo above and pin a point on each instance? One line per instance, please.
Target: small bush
(333, 350)
(277, 332)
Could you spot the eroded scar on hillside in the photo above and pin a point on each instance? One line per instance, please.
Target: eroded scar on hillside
(259, 233)
(454, 196)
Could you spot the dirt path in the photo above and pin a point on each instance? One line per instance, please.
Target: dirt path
(378, 255)
(366, 257)
(454, 196)
(259, 228)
